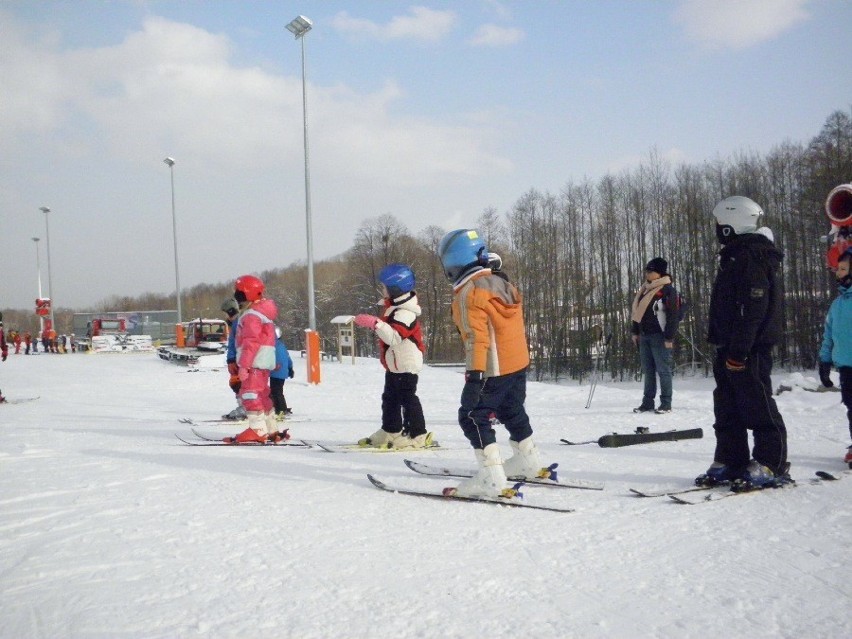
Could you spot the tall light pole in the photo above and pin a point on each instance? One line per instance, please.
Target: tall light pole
(171, 163)
(299, 27)
(38, 270)
(46, 210)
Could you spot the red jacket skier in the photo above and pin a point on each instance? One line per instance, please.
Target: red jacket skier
(4, 351)
(255, 344)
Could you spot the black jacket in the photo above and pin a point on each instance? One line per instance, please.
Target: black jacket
(664, 309)
(746, 304)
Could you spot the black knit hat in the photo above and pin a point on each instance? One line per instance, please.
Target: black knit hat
(658, 265)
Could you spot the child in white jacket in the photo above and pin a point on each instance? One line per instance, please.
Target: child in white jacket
(401, 344)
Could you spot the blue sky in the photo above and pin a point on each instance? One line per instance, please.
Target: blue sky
(429, 111)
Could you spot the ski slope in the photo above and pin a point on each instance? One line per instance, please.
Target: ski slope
(109, 527)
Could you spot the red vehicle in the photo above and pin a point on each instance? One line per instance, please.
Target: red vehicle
(100, 326)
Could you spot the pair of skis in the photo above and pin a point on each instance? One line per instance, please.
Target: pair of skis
(723, 490)
(218, 440)
(617, 440)
(511, 496)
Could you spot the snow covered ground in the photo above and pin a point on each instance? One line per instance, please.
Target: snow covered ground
(111, 528)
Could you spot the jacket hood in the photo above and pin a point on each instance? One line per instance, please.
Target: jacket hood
(757, 243)
(408, 301)
(266, 307)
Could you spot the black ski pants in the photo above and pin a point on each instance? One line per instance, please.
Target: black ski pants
(276, 393)
(401, 409)
(500, 397)
(743, 401)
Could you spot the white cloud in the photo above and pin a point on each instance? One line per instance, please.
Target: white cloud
(498, 8)
(492, 35)
(172, 86)
(422, 24)
(738, 24)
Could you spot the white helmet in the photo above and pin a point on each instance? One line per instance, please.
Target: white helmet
(739, 213)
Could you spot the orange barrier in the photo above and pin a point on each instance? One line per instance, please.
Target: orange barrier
(180, 337)
(312, 348)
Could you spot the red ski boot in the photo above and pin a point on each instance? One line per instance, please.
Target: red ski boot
(248, 436)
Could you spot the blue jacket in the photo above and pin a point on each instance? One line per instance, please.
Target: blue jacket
(837, 338)
(283, 363)
(231, 353)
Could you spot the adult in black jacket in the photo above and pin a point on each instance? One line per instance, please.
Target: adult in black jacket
(654, 315)
(745, 322)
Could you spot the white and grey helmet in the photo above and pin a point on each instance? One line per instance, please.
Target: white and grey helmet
(737, 215)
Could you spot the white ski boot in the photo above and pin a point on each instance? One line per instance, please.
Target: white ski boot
(381, 439)
(489, 480)
(525, 462)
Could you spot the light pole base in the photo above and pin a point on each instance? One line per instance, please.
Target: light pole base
(312, 351)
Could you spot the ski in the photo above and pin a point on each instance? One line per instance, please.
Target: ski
(356, 448)
(236, 422)
(283, 444)
(218, 438)
(550, 480)
(583, 443)
(819, 477)
(617, 440)
(717, 495)
(514, 501)
(22, 400)
(677, 491)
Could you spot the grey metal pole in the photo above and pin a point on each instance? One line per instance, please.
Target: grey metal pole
(171, 163)
(312, 318)
(46, 210)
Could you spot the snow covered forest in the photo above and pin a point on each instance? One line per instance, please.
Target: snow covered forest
(578, 256)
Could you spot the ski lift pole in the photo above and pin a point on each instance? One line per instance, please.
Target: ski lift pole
(601, 356)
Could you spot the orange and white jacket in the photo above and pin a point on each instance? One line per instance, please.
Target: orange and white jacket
(488, 311)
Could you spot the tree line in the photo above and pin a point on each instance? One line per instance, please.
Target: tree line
(578, 257)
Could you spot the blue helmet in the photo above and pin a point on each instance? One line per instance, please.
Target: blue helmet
(459, 251)
(398, 278)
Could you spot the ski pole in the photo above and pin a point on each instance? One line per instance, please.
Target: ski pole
(601, 356)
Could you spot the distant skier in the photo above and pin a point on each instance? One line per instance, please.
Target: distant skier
(281, 373)
(401, 345)
(232, 311)
(255, 342)
(745, 320)
(4, 351)
(836, 349)
(488, 312)
(654, 315)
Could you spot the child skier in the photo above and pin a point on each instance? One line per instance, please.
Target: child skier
(255, 344)
(836, 346)
(487, 310)
(282, 372)
(232, 312)
(401, 345)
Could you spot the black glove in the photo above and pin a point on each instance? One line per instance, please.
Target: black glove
(290, 373)
(824, 370)
(472, 390)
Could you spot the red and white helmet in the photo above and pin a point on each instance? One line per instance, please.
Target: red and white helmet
(250, 286)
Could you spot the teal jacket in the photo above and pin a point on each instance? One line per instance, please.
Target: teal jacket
(837, 338)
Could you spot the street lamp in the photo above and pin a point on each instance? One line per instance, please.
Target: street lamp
(38, 270)
(46, 210)
(171, 163)
(299, 27)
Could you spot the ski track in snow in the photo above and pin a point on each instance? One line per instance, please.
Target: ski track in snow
(109, 527)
